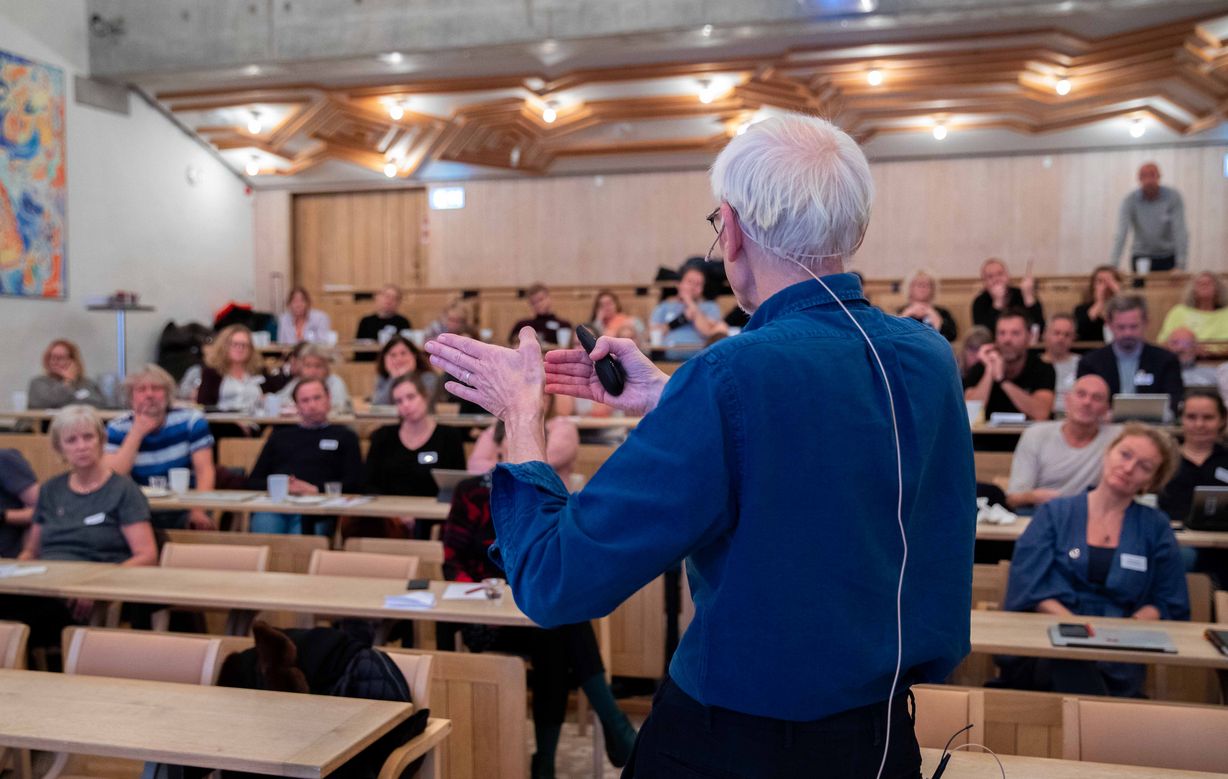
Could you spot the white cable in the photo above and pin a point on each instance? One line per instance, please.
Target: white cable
(987, 749)
(899, 512)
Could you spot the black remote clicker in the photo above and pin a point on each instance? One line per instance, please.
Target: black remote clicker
(611, 374)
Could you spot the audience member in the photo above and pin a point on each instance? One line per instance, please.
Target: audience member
(1204, 463)
(969, 354)
(1156, 215)
(89, 514)
(1102, 554)
(386, 318)
(608, 317)
(1008, 377)
(154, 438)
(1055, 459)
(315, 362)
(399, 357)
(559, 655)
(453, 319)
(1059, 337)
(18, 494)
(300, 322)
(1105, 282)
(921, 288)
(1128, 364)
(63, 381)
(998, 296)
(686, 319)
(544, 321)
(232, 377)
(1183, 343)
(312, 453)
(1202, 309)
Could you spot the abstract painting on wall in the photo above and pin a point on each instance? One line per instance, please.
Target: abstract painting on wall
(33, 189)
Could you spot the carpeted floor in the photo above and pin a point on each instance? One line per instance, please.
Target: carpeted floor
(575, 757)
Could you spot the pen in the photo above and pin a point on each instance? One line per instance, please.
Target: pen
(472, 590)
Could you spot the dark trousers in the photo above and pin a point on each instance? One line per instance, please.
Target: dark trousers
(683, 739)
(1157, 263)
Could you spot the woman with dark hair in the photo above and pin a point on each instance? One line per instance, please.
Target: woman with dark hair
(399, 357)
(1204, 463)
(1104, 283)
(300, 322)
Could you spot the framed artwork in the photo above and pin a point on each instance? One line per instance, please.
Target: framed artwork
(33, 185)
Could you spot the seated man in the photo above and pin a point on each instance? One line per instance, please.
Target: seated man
(154, 438)
(999, 296)
(544, 321)
(1128, 364)
(1063, 458)
(312, 453)
(386, 316)
(1183, 343)
(1008, 377)
(1059, 337)
(687, 319)
(18, 494)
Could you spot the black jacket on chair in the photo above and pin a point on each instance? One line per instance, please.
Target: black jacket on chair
(1160, 363)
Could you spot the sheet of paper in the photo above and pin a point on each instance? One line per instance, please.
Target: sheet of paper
(461, 591)
(410, 600)
(11, 571)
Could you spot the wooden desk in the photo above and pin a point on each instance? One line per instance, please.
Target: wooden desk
(350, 348)
(283, 734)
(1199, 539)
(968, 765)
(252, 500)
(1015, 633)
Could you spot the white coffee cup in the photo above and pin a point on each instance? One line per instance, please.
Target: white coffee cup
(180, 480)
(564, 337)
(976, 408)
(657, 338)
(272, 404)
(279, 487)
(330, 338)
(21, 400)
(418, 337)
(260, 339)
(486, 333)
(1143, 265)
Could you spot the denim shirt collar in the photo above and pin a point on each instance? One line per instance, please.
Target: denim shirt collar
(806, 294)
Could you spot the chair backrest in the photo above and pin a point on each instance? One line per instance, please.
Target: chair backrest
(369, 564)
(485, 697)
(1221, 606)
(942, 711)
(239, 452)
(429, 553)
(215, 557)
(13, 638)
(287, 554)
(993, 466)
(1145, 733)
(989, 584)
(1200, 588)
(38, 452)
(131, 654)
(417, 672)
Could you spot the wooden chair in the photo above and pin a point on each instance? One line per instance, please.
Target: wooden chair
(397, 568)
(287, 554)
(1022, 723)
(485, 697)
(210, 557)
(993, 467)
(417, 672)
(942, 711)
(429, 553)
(1178, 683)
(1145, 733)
(13, 638)
(37, 450)
(1221, 606)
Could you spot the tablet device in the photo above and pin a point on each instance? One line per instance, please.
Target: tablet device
(446, 480)
(1209, 509)
(1143, 408)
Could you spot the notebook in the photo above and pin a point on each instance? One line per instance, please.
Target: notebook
(1128, 639)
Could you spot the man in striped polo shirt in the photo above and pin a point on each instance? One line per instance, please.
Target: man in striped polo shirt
(155, 438)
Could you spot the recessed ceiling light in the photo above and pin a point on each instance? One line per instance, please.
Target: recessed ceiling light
(252, 70)
(1137, 128)
(253, 166)
(253, 124)
(390, 169)
(706, 31)
(395, 111)
(874, 77)
(392, 58)
(940, 131)
(549, 114)
(1062, 87)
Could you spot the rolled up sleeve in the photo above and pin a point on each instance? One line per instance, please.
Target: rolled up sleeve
(667, 491)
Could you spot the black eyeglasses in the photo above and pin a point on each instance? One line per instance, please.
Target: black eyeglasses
(718, 227)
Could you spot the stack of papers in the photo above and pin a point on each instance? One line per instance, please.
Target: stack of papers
(418, 599)
(10, 571)
(344, 502)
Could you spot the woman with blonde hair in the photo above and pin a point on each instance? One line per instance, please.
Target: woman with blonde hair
(921, 288)
(315, 362)
(1202, 309)
(232, 378)
(63, 380)
(300, 322)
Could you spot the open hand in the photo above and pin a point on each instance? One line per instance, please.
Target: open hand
(506, 382)
(571, 372)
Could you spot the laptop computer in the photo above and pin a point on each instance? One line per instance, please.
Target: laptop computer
(1209, 511)
(446, 480)
(1143, 408)
(1130, 639)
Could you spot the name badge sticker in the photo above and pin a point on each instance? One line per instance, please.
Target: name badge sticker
(1144, 379)
(428, 458)
(95, 519)
(552, 325)
(328, 444)
(1134, 562)
(81, 394)
(1222, 474)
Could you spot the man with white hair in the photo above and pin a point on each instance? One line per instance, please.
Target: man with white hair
(815, 473)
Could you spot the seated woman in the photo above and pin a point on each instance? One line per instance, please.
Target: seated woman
(1103, 284)
(608, 318)
(232, 378)
(1204, 463)
(89, 514)
(1202, 309)
(453, 319)
(1100, 555)
(399, 357)
(402, 456)
(63, 381)
(560, 656)
(300, 322)
(315, 362)
(921, 288)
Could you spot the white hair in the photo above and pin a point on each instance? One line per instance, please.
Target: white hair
(916, 274)
(801, 188)
(71, 419)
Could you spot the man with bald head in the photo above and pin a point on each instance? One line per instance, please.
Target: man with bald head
(1054, 459)
(1156, 215)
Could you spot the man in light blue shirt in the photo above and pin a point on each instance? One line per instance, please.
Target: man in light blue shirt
(769, 463)
(687, 319)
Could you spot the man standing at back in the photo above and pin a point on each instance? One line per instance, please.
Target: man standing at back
(1156, 215)
(769, 462)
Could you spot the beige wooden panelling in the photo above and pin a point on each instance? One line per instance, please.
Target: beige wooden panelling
(637, 633)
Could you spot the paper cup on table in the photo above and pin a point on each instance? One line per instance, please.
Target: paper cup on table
(976, 410)
(564, 337)
(330, 338)
(1143, 265)
(260, 339)
(180, 480)
(418, 337)
(487, 334)
(21, 400)
(272, 405)
(279, 487)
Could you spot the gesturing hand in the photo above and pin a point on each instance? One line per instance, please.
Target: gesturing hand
(571, 372)
(505, 382)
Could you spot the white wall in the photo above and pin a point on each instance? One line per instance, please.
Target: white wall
(134, 222)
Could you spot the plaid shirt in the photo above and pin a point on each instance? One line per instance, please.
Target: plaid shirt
(468, 533)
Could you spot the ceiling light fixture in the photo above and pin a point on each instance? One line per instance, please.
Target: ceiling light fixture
(390, 169)
(1137, 128)
(940, 131)
(1062, 87)
(550, 112)
(395, 110)
(253, 166)
(253, 125)
(392, 58)
(707, 91)
(706, 31)
(875, 77)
